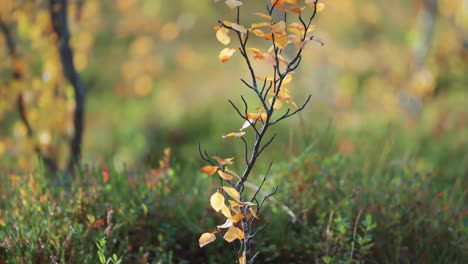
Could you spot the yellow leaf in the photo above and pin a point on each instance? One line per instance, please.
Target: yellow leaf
(254, 213)
(234, 203)
(278, 28)
(210, 170)
(234, 134)
(232, 192)
(281, 41)
(236, 218)
(206, 238)
(224, 175)
(296, 31)
(287, 79)
(258, 25)
(277, 105)
(226, 212)
(222, 34)
(238, 28)
(257, 116)
(264, 16)
(233, 233)
(258, 33)
(233, 3)
(226, 54)
(319, 8)
(217, 201)
(243, 259)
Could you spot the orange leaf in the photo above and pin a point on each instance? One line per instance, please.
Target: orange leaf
(217, 201)
(223, 161)
(205, 239)
(226, 54)
(210, 170)
(105, 175)
(236, 218)
(293, 10)
(279, 3)
(233, 233)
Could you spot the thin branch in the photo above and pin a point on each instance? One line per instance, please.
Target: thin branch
(266, 198)
(354, 234)
(58, 13)
(287, 114)
(266, 144)
(259, 230)
(263, 181)
(204, 155)
(246, 151)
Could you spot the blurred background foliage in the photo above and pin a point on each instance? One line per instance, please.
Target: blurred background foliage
(386, 130)
(388, 71)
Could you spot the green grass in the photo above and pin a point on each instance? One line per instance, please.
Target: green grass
(364, 208)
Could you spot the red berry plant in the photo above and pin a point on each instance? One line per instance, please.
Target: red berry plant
(286, 28)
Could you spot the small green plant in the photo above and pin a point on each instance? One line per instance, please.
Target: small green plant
(101, 246)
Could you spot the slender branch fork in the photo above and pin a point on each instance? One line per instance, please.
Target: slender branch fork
(250, 156)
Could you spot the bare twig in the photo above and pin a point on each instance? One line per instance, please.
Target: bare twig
(356, 223)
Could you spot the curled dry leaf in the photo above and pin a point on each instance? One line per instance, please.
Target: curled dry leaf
(226, 212)
(233, 233)
(254, 214)
(210, 170)
(206, 238)
(217, 201)
(226, 224)
(226, 54)
(222, 34)
(232, 192)
(238, 28)
(224, 175)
